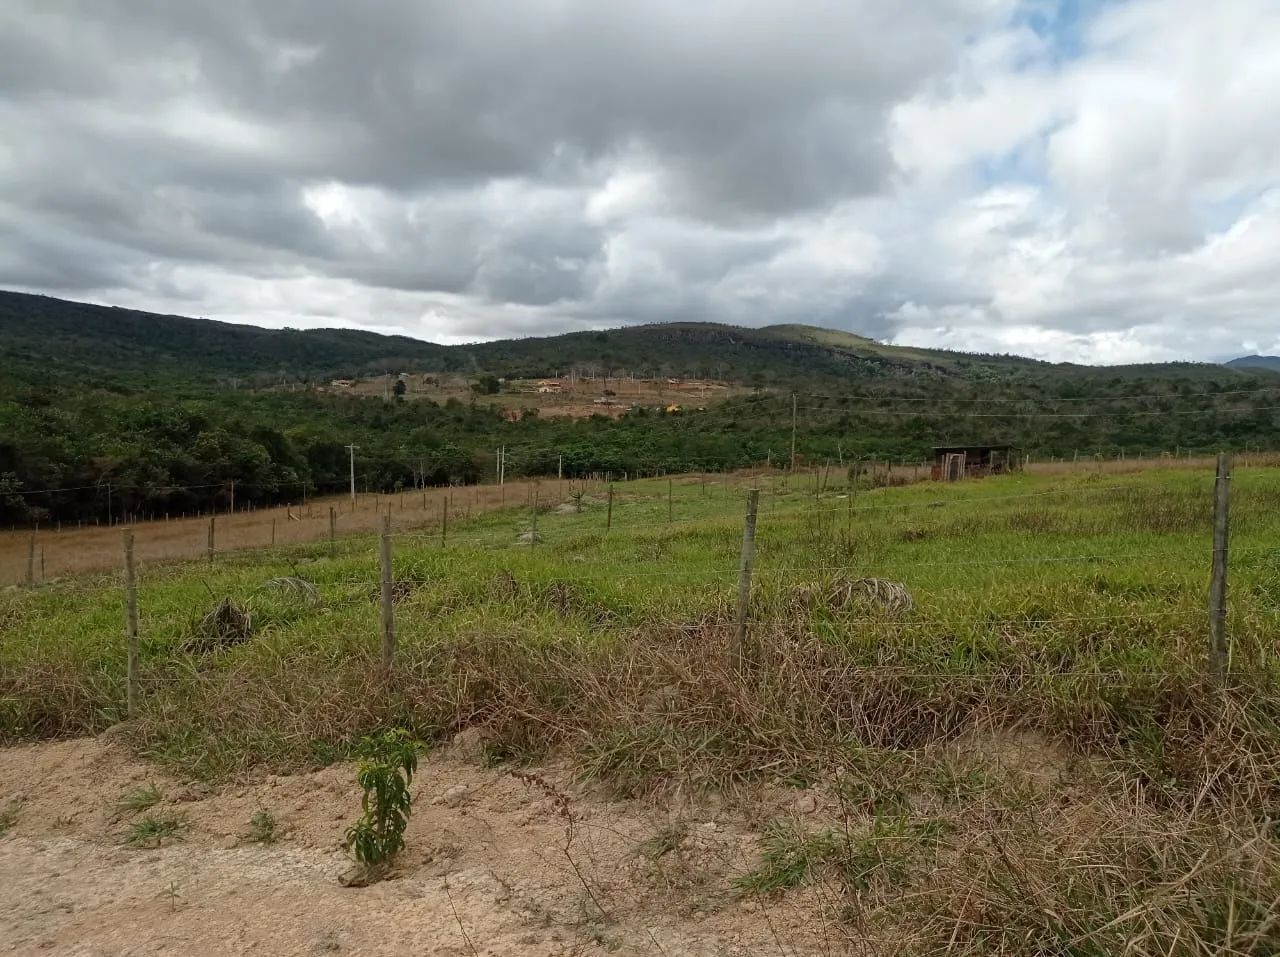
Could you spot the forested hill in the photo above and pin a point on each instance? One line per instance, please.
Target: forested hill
(168, 411)
(48, 341)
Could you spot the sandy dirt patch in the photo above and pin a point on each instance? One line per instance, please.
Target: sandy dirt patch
(492, 867)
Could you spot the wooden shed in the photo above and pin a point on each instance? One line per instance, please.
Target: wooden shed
(953, 462)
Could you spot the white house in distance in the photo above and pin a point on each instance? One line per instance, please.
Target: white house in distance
(549, 387)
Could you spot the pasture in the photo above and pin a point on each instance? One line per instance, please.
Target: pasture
(999, 687)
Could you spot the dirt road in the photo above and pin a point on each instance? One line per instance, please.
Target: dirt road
(493, 866)
(71, 550)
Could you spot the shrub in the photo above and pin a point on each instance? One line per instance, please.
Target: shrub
(386, 770)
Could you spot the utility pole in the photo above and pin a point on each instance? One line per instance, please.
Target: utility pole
(233, 496)
(351, 449)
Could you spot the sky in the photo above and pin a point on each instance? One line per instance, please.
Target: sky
(1081, 181)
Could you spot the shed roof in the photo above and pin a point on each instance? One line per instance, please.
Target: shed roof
(975, 446)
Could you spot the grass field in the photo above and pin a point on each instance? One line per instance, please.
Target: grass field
(66, 550)
(1028, 753)
(69, 550)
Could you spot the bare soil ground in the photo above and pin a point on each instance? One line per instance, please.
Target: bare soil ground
(574, 399)
(493, 866)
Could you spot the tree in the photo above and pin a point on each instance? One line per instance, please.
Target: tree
(399, 389)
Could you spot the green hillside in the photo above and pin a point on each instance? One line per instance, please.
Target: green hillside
(167, 412)
(47, 340)
(44, 340)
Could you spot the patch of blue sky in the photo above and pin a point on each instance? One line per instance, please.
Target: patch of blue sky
(1061, 24)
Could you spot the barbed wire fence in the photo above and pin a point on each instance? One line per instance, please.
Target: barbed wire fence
(47, 551)
(748, 578)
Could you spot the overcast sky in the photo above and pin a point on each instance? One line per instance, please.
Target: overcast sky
(1088, 181)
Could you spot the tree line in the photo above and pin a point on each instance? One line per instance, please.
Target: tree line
(84, 457)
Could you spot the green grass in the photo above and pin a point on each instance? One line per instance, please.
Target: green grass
(139, 800)
(1069, 608)
(881, 854)
(1085, 593)
(153, 830)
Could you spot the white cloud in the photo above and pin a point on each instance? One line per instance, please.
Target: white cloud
(971, 174)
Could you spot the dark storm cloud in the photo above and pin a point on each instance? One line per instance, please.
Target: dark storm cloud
(439, 147)
(484, 168)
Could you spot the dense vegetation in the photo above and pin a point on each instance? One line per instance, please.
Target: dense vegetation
(115, 411)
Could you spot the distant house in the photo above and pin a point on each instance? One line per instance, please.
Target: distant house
(952, 462)
(549, 388)
(343, 383)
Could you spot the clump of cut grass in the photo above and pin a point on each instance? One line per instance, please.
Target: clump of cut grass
(152, 830)
(878, 596)
(668, 838)
(295, 586)
(9, 815)
(224, 626)
(139, 800)
(262, 827)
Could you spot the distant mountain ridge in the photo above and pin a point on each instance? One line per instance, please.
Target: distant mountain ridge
(1255, 362)
(48, 340)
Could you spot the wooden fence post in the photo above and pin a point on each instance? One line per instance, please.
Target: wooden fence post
(533, 520)
(738, 653)
(1219, 647)
(212, 519)
(333, 531)
(131, 627)
(273, 533)
(608, 515)
(444, 521)
(388, 614)
(670, 506)
(31, 560)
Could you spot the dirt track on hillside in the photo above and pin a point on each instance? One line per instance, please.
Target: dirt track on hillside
(492, 867)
